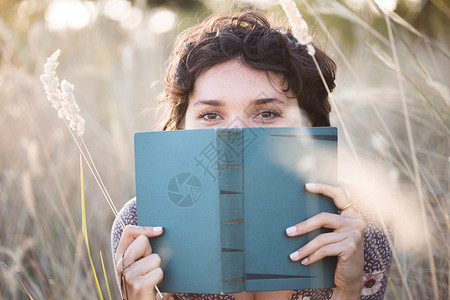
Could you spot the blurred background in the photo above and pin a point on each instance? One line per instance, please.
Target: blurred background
(393, 118)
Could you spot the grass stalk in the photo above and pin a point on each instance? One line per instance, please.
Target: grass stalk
(417, 178)
(354, 152)
(106, 276)
(113, 207)
(84, 230)
(56, 179)
(110, 203)
(337, 8)
(394, 289)
(13, 255)
(18, 278)
(358, 81)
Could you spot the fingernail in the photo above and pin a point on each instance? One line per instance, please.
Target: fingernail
(291, 230)
(305, 261)
(294, 255)
(310, 185)
(157, 229)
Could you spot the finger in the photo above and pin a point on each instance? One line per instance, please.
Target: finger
(318, 242)
(339, 196)
(323, 219)
(138, 249)
(327, 220)
(143, 266)
(344, 250)
(336, 193)
(143, 286)
(154, 277)
(146, 282)
(130, 233)
(327, 250)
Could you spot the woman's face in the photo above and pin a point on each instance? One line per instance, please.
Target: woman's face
(233, 95)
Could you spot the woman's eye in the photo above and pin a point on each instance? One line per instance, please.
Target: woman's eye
(209, 116)
(267, 115)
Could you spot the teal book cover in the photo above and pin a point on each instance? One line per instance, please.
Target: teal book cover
(225, 198)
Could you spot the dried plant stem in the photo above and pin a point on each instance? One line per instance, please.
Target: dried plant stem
(442, 7)
(159, 293)
(339, 9)
(109, 199)
(353, 150)
(394, 143)
(53, 172)
(18, 278)
(432, 55)
(417, 178)
(358, 80)
(300, 31)
(332, 40)
(89, 163)
(336, 109)
(106, 276)
(378, 212)
(394, 290)
(62, 98)
(428, 204)
(85, 233)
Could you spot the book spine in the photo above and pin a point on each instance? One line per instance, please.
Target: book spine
(230, 182)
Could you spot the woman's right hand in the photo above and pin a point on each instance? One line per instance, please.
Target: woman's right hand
(135, 260)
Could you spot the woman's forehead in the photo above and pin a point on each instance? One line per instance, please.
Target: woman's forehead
(234, 78)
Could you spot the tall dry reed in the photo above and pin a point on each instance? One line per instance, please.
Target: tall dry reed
(41, 248)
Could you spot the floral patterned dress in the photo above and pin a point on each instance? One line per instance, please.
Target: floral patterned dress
(377, 261)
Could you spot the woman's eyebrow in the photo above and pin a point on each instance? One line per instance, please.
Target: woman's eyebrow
(259, 101)
(262, 101)
(211, 102)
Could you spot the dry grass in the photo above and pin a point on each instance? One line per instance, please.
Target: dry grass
(396, 113)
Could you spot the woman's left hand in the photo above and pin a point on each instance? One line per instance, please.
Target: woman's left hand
(346, 241)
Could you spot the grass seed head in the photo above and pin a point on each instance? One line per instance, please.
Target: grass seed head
(299, 26)
(61, 95)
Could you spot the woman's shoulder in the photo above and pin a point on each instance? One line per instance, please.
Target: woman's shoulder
(126, 216)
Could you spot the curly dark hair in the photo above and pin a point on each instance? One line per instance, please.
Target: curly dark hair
(250, 37)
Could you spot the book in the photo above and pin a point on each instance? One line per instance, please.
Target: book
(225, 198)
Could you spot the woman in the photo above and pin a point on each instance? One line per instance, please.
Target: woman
(239, 71)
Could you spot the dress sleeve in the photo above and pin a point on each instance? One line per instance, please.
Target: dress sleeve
(377, 259)
(377, 264)
(128, 214)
